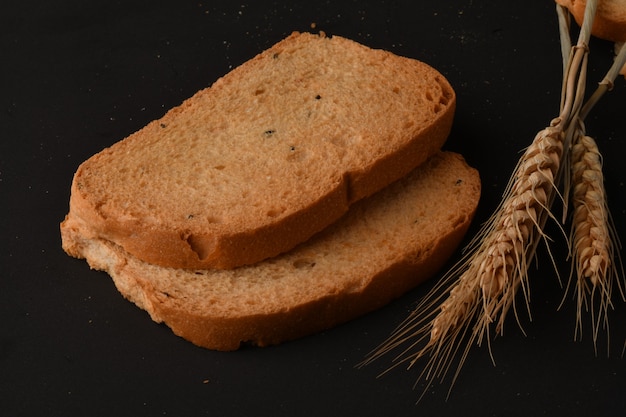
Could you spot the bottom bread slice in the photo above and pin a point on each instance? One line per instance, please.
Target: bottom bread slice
(383, 247)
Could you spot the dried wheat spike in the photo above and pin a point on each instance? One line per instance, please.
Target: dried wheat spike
(482, 287)
(593, 238)
(501, 261)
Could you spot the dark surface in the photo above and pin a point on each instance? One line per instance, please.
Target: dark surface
(78, 76)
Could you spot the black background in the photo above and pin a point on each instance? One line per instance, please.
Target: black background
(77, 76)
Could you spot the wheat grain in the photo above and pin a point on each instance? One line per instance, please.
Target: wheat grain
(596, 265)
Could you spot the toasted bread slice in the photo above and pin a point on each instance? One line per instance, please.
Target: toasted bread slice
(272, 153)
(384, 246)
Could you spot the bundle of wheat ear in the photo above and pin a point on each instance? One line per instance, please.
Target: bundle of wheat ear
(562, 164)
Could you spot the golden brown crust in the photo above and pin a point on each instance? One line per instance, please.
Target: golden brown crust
(166, 236)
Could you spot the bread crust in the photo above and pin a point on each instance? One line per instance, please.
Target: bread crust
(385, 246)
(156, 237)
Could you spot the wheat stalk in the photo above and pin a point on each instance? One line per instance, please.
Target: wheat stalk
(594, 243)
(482, 288)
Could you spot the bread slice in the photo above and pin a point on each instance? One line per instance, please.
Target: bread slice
(384, 246)
(271, 154)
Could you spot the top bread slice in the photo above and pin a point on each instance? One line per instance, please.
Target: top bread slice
(384, 246)
(269, 155)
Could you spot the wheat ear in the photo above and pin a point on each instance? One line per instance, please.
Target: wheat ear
(597, 265)
(482, 288)
(500, 262)
(594, 244)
